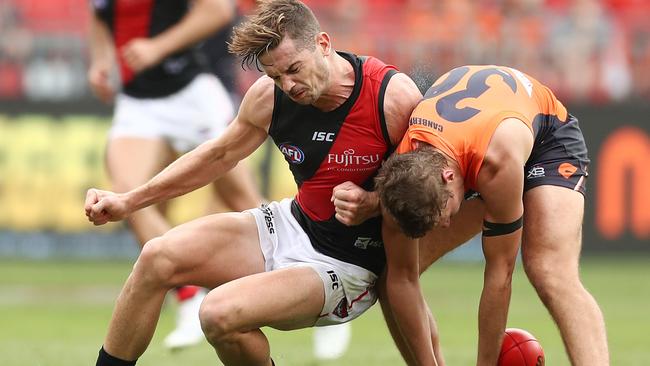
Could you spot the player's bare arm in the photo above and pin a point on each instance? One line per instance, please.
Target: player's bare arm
(500, 182)
(403, 293)
(402, 95)
(198, 167)
(102, 59)
(204, 18)
(353, 204)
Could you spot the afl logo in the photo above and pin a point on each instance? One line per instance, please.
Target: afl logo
(293, 154)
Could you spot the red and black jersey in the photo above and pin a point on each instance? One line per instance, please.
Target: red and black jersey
(325, 149)
(129, 19)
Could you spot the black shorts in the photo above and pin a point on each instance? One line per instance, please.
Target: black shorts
(559, 156)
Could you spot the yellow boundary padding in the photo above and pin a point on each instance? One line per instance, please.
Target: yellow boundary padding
(47, 164)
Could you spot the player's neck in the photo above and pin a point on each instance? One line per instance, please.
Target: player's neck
(341, 84)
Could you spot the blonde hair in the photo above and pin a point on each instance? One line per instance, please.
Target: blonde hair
(264, 30)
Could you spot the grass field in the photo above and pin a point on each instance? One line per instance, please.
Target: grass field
(56, 313)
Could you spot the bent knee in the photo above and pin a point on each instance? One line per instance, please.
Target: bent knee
(155, 263)
(551, 280)
(220, 317)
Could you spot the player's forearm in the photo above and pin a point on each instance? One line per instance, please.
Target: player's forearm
(493, 314)
(204, 18)
(100, 42)
(407, 306)
(372, 203)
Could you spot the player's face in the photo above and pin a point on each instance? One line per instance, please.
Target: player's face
(302, 74)
(453, 206)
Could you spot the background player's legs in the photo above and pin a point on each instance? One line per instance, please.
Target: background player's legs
(551, 247)
(208, 251)
(438, 242)
(232, 314)
(331, 342)
(237, 189)
(132, 161)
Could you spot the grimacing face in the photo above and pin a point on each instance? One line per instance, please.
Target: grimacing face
(302, 74)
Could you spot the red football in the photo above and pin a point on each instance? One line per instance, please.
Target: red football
(520, 348)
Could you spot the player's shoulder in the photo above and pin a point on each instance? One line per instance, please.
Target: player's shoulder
(257, 104)
(401, 98)
(402, 95)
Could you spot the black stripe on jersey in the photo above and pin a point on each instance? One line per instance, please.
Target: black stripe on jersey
(382, 117)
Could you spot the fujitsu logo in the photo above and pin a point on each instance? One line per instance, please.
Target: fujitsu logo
(348, 158)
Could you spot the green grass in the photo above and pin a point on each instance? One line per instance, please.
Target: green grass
(56, 313)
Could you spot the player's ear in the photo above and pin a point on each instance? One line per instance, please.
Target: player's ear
(448, 175)
(324, 42)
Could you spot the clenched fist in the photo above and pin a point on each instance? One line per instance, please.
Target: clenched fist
(353, 204)
(104, 206)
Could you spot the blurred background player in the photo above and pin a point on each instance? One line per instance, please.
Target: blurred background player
(166, 103)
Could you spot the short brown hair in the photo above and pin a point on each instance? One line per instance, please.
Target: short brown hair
(411, 189)
(273, 20)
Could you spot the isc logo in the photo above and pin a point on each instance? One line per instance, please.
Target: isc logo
(323, 136)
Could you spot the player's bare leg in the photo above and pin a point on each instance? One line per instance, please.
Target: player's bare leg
(208, 251)
(551, 251)
(438, 242)
(132, 161)
(232, 314)
(237, 189)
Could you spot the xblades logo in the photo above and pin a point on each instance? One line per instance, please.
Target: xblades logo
(365, 242)
(536, 172)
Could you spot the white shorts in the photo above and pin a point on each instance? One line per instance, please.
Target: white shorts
(349, 289)
(198, 112)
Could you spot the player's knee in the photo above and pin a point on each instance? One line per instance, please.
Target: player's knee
(549, 280)
(154, 265)
(219, 318)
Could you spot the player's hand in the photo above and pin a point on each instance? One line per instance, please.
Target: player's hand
(99, 79)
(141, 53)
(104, 206)
(353, 204)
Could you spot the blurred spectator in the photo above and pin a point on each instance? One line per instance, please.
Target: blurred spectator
(587, 50)
(578, 42)
(15, 46)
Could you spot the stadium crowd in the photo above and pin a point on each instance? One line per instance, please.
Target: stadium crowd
(586, 50)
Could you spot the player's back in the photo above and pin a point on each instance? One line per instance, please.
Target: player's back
(460, 112)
